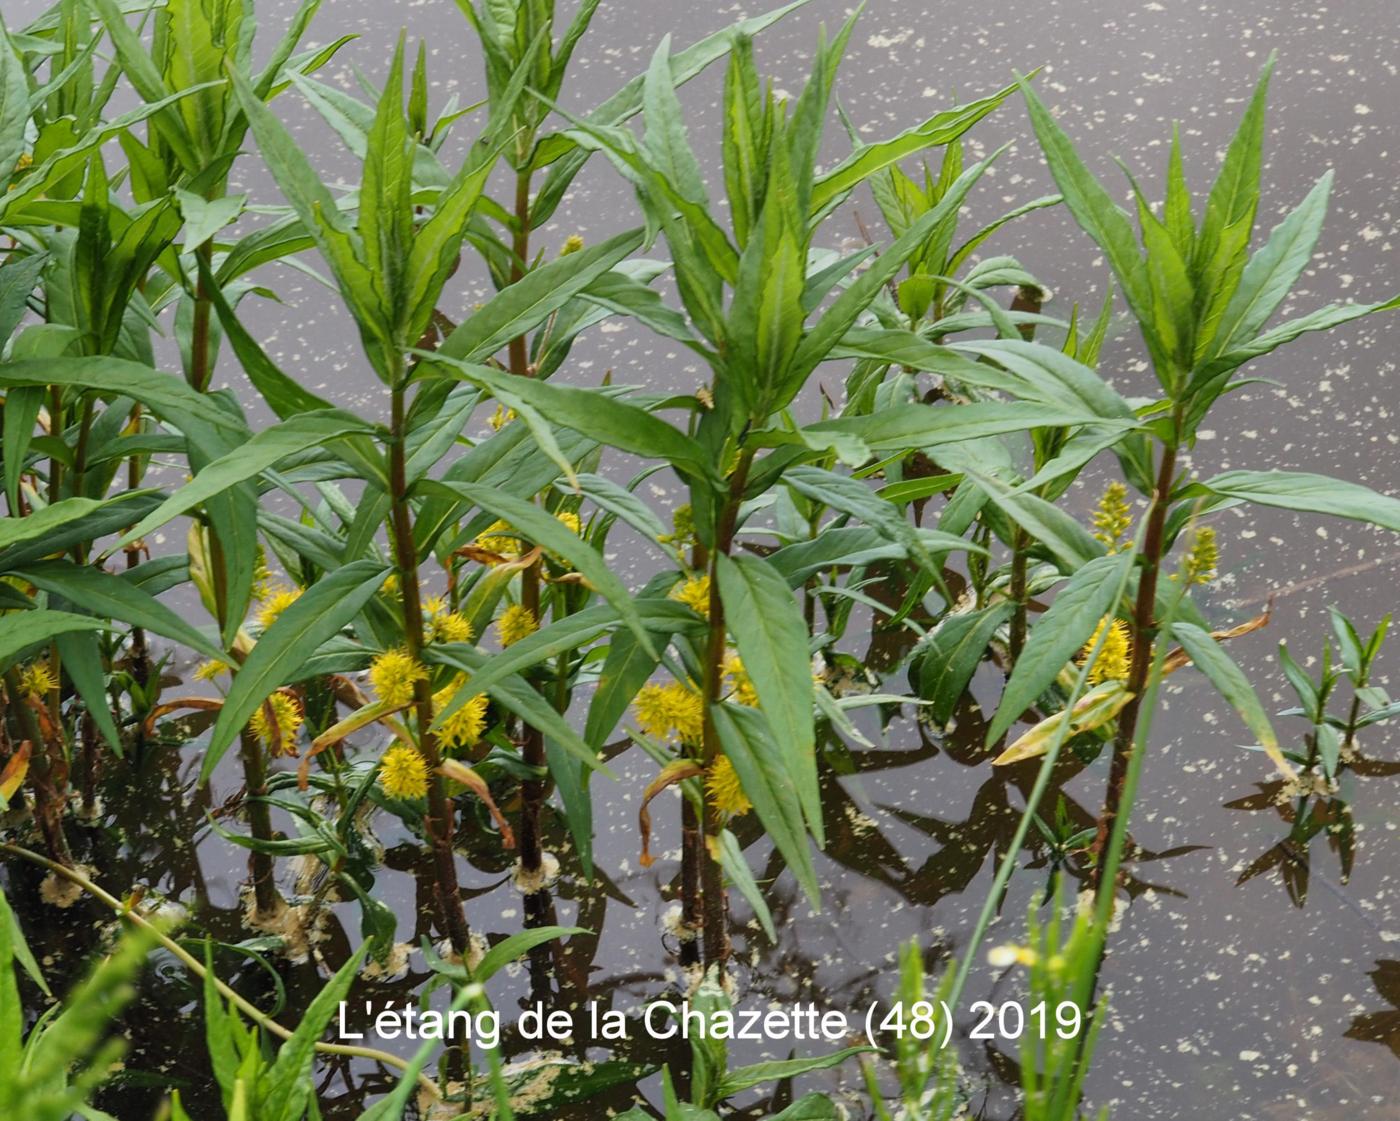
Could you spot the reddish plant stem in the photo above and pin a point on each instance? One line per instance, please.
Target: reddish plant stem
(438, 822)
(1144, 632)
(715, 901)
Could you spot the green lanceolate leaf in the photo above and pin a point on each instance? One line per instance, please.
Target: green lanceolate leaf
(1096, 212)
(18, 279)
(1272, 272)
(22, 406)
(1058, 635)
(285, 1090)
(14, 113)
(572, 632)
(314, 618)
(1235, 194)
(594, 413)
(817, 345)
(1316, 494)
(164, 394)
(731, 855)
(528, 302)
(852, 497)
(770, 784)
(771, 635)
(1069, 542)
(744, 1078)
(943, 128)
(268, 447)
(81, 657)
(114, 597)
(22, 629)
(1210, 658)
(927, 426)
(41, 523)
(950, 655)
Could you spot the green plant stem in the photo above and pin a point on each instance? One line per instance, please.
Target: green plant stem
(266, 1022)
(438, 822)
(715, 902)
(1144, 635)
(1019, 560)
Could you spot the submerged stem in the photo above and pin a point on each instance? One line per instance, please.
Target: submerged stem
(197, 967)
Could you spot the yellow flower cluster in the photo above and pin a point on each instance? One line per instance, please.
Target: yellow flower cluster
(278, 735)
(1114, 517)
(393, 675)
(444, 625)
(572, 244)
(465, 726)
(402, 773)
(516, 622)
(695, 594)
(501, 417)
(741, 689)
(277, 600)
(1113, 660)
(37, 680)
(722, 781)
(209, 671)
(499, 538)
(670, 711)
(1203, 557)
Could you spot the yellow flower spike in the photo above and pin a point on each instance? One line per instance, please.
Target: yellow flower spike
(465, 726)
(274, 603)
(402, 773)
(1115, 657)
(571, 522)
(1203, 557)
(499, 538)
(37, 680)
(741, 687)
(1113, 517)
(516, 622)
(444, 625)
(683, 527)
(722, 781)
(501, 417)
(695, 594)
(209, 671)
(278, 735)
(572, 244)
(393, 675)
(673, 711)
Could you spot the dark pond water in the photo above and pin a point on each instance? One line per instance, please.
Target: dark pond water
(1229, 998)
